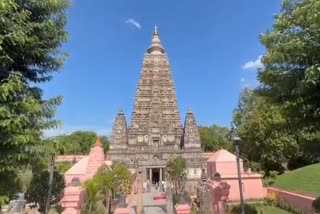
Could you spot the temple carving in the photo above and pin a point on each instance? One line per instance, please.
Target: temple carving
(155, 132)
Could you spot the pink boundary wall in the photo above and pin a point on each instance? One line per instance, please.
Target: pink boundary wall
(68, 158)
(301, 202)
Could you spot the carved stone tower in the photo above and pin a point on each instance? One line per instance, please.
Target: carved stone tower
(155, 132)
(191, 136)
(155, 118)
(119, 139)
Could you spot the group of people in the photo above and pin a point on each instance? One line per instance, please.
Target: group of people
(159, 186)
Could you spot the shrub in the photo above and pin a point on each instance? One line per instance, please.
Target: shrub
(316, 204)
(248, 208)
(255, 167)
(271, 199)
(263, 173)
(273, 174)
(285, 206)
(271, 178)
(63, 167)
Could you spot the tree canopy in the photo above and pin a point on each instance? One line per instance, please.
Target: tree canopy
(99, 189)
(214, 138)
(39, 187)
(291, 77)
(279, 120)
(261, 127)
(80, 142)
(31, 34)
(176, 170)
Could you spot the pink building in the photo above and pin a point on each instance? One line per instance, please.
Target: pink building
(85, 169)
(88, 165)
(225, 164)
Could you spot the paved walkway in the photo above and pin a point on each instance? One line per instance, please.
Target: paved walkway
(150, 206)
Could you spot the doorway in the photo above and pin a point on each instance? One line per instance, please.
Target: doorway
(155, 175)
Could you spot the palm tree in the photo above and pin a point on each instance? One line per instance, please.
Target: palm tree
(93, 204)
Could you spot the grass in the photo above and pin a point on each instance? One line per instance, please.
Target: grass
(303, 180)
(272, 210)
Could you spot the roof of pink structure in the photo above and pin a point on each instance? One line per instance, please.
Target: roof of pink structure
(80, 168)
(207, 155)
(222, 156)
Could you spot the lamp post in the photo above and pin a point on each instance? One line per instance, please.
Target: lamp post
(237, 140)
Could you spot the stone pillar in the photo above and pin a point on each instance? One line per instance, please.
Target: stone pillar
(160, 175)
(169, 200)
(150, 175)
(139, 197)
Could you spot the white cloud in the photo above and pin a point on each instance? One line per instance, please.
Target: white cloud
(68, 129)
(242, 79)
(134, 23)
(253, 65)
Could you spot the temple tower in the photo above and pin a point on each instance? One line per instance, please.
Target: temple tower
(155, 132)
(155, 118)
(191, 135)
(119, 138)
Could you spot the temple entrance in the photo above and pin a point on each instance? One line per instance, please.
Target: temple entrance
(155, 175)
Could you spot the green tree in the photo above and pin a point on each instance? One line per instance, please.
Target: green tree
(291, 77)
(214, 138)
(39, 188)
(51, 148)
(262, 129)
(177, 171)
(63, 167)
(80, 142)
(106, 181)
(93, 203)
(123, 178)
(31, 33)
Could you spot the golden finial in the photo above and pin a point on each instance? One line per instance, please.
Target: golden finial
(98, 141)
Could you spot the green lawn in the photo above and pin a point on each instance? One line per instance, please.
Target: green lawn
(303, 180)
(272, 210)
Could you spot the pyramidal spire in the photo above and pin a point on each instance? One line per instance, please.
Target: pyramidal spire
(121, 111)
(156, 47)
(155, 32)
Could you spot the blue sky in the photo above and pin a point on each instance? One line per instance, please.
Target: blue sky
(213, 48)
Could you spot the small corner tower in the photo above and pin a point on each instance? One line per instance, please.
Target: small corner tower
(119, 138)
(191, 138)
